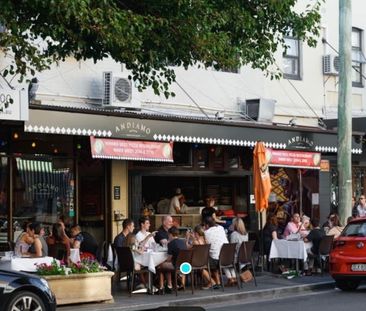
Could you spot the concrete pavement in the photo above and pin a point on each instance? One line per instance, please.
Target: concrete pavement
(270, 286)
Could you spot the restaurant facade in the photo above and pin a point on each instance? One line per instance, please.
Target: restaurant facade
(97, 167)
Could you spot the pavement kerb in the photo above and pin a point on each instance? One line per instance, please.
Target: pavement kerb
(248, 296)
(254, 295)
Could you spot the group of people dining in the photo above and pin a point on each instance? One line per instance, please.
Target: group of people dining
(168, 236)
(33, 242)
(304, 228)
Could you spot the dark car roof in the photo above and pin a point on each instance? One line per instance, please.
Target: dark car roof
(359, 219)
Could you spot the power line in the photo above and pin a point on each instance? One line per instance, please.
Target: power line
(191, 98)
(299, 93)
(335, 50)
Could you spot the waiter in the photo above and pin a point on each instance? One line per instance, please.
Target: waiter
(175, 206)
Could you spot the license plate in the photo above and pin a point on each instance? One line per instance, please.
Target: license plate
(358, 267)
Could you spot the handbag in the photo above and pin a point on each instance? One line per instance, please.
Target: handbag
(246, 276)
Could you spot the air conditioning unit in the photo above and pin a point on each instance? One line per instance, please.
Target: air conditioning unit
(118, 92)
(331, 65)
(259, 109)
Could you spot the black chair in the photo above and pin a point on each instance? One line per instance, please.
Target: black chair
(11, 245)
(184, 255)
(58, 251)
(126, 264)
(245, 257)
(227, 260)
(325, 247)
(102, 253)
(200, 260)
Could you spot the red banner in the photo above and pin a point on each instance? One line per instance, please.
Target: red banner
(120, 149)
(296, 159)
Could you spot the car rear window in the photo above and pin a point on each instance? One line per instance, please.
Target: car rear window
(356, 229)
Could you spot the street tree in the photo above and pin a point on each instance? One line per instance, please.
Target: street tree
(150, 37)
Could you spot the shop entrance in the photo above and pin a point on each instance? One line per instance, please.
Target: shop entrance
(295, 191)
(230, 193)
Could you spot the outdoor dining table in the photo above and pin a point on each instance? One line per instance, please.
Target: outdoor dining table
(290, 250)
(151, 259)
(25, 264)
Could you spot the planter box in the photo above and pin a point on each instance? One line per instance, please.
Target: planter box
(77, 288)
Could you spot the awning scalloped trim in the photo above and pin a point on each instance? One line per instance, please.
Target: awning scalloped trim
(215, 141)
(67, 131)
(174, 138)
(131, 158)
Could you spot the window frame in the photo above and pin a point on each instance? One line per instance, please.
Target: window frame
(354, 64)
(298, 59)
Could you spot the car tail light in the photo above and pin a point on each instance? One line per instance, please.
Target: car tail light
(338, 243)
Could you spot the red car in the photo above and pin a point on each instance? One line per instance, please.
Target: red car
(347, 260)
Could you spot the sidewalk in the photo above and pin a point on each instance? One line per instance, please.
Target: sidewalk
(269, 286)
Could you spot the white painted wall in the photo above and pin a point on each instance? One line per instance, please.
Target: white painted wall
(79, 83)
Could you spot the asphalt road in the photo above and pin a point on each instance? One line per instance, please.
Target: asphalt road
(329, 300)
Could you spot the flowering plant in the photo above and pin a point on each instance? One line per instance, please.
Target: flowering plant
(55, 268)
(86, 266)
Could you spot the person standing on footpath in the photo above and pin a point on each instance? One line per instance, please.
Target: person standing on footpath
(361, 207)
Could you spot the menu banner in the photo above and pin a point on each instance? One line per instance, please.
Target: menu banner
(294, 159)
(121, 149)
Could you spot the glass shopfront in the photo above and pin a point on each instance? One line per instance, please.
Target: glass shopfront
(43, 191)
(3, 199)
(45, 178)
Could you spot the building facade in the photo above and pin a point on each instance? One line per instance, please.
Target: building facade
(48, 169)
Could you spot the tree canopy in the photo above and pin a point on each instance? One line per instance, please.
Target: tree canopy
(151, 36)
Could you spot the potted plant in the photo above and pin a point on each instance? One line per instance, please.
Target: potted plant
(85, 281)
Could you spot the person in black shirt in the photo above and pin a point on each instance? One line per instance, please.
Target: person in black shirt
(315, 236)
(127, 227)
(84, 241)
(162, 235)
(174, 246)
(270, 232)
(210, 211)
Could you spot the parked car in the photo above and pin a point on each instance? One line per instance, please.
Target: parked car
(347, 260)
(21, 291)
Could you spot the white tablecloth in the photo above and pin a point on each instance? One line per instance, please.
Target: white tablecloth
(75, 255)
(288, 249)
(151, 259)
(24, 264)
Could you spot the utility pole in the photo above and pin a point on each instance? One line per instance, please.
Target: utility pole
(344, 162)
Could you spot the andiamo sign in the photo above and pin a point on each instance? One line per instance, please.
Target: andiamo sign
(13, 103)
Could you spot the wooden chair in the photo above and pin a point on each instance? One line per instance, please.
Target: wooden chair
(126, 264)
(227, 260)
(200, 260)
(184, 255)
(325, 247)
(245, 257)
